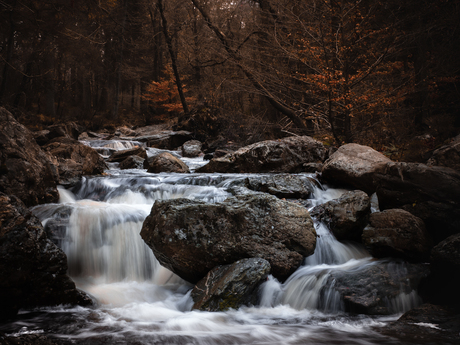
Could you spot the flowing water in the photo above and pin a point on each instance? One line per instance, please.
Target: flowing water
(97, 224)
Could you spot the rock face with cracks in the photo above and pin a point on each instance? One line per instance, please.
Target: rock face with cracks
(192, 237)
(231, 286)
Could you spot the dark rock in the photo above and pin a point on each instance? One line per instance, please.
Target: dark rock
(447, 155)
(447, 252)
(208, 156)
(220, 153)
(346, 216)
(312, 167)
(353, 165)
(431, 193)
(32, 268)
(168, 140)
(397, 233)
(283, 155)
(132, 162)
(119, 156)
(231, 286)
(192, 237)
(25, 171)
(74, 159)
(66, 130)
(282, 185)
(191, 148)
(443, 286)
(166, 162)
(374, 288)
(426, 324)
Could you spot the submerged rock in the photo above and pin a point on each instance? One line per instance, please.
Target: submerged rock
(379, 288)
(74, 159)
(397, 233)
(354, 165)
(231, 286)
(32, 268)
(283, 155)
(25, 171)
(346, 216)
(165, 162)
(431, 193)
(191, 237)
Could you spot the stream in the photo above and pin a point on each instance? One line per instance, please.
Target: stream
(97, 224)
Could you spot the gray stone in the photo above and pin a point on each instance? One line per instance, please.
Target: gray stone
(231, 286)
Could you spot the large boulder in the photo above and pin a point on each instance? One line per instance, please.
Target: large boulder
(378, 288)
(25, 171)
(397, 233)
(447, 155)
(431, 193)
(283, 155)
(191, 148)
(73, 159)
(119, 156)
(165, 162)
(282, 185)
(192, 237)
(32, 268)
(354, 166)
(231, 286)
(346, 216)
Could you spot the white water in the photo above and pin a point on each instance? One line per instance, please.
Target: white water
(141, 302)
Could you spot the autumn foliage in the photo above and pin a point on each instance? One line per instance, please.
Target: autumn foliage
(164, 95)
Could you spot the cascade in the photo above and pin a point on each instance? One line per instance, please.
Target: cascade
(97, 223)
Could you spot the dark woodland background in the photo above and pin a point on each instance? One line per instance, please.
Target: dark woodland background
(379, 73)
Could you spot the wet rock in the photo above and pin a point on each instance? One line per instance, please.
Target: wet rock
(119, 156)
(431, 193)
(191, 148)
(447, 155)
(397, 233)
(165, 162)
(283, 155)
(192, 237)
(25, 171)
(32, 268)
(353, 165)
(168, 140)
(132, 162)
(282, 185)
(346, 216)
(73, 159)
(426, 324)
(231, 286)
(66, 130)
(376, 288)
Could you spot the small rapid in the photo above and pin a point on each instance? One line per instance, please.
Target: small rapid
(97, 224)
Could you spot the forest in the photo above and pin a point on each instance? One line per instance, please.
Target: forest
(379, 73)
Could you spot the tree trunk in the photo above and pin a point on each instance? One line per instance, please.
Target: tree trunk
(173, 56)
